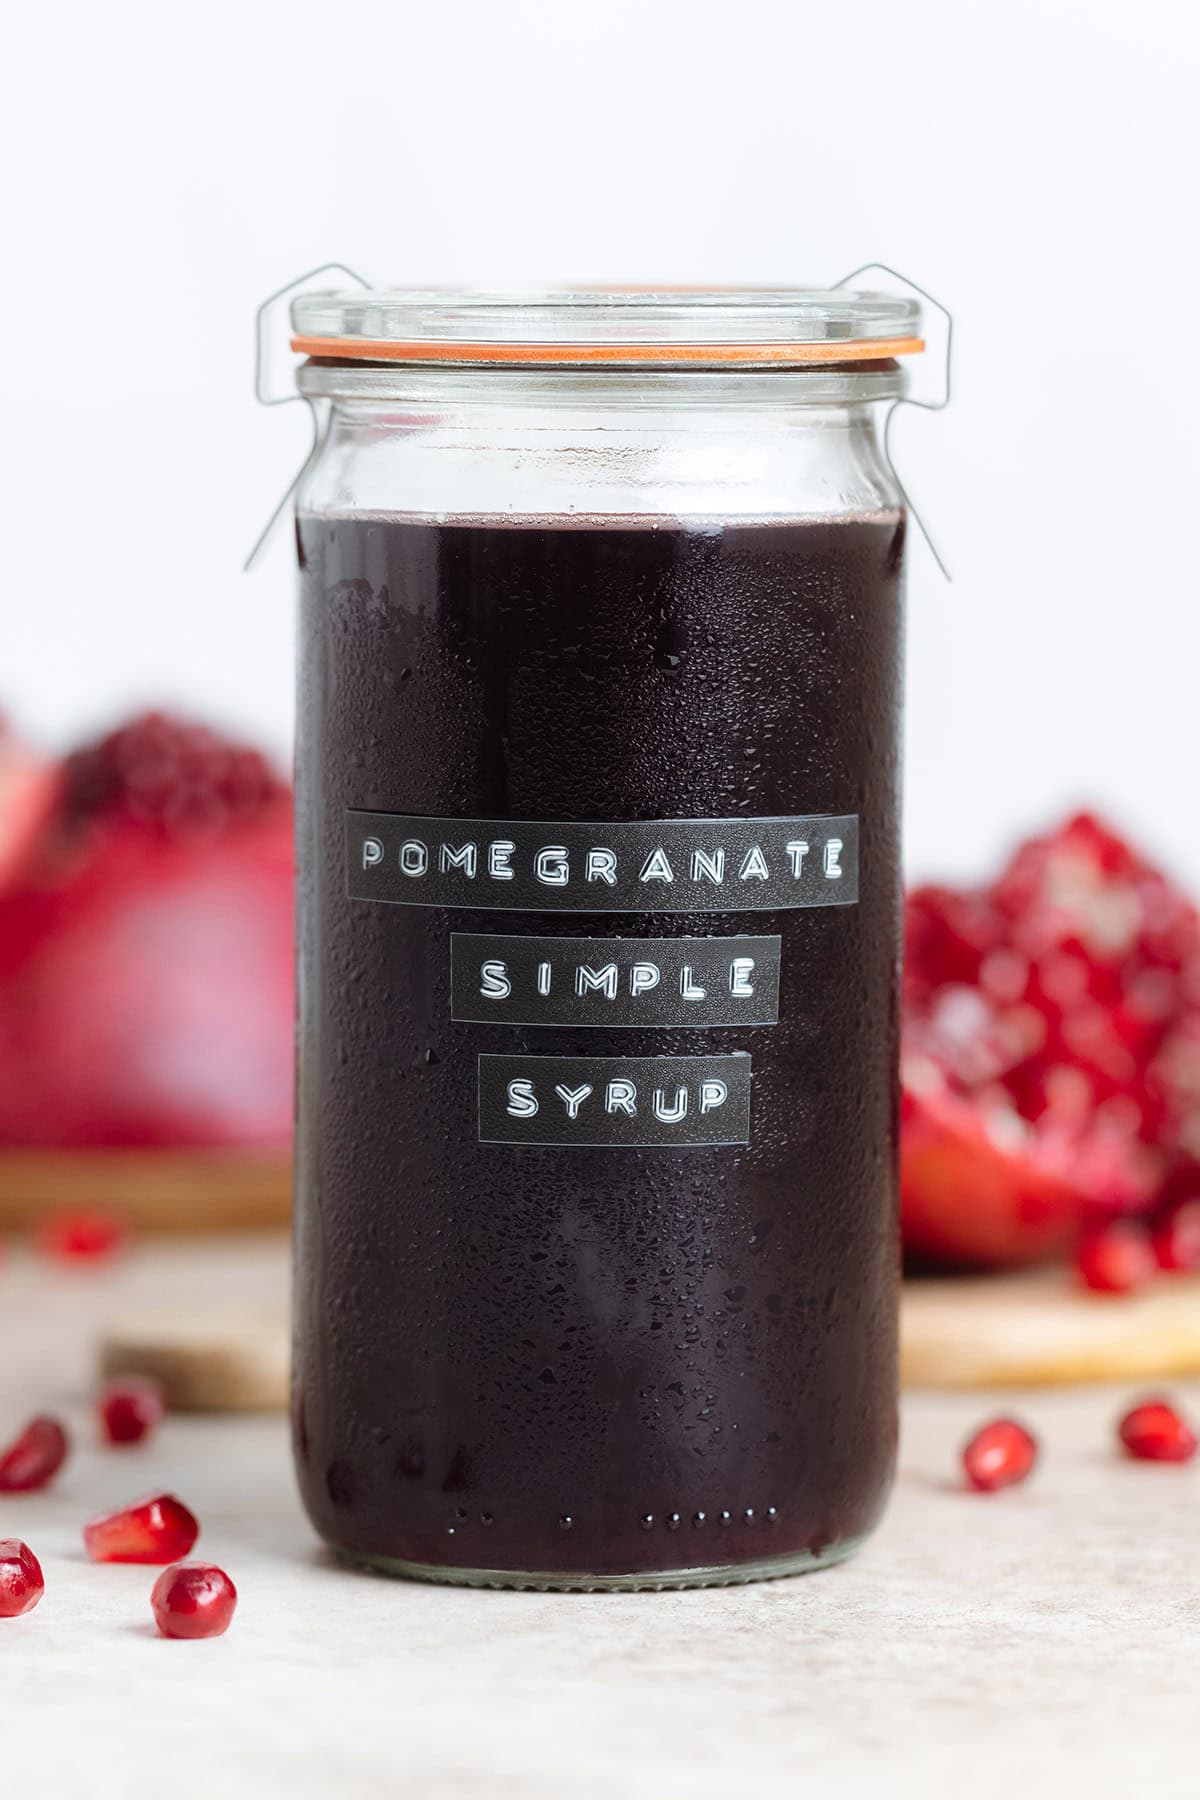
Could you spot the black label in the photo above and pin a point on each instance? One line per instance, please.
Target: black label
(614, 981)
(635, 866)
(685, 1102)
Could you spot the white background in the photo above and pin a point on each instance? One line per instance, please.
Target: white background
(1034, 164)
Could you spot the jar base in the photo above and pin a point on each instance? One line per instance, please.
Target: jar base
(765, 1568)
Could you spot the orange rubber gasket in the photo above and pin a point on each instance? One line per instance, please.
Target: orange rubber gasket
(366, 350)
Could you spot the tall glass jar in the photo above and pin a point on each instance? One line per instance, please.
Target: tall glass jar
(599, 899)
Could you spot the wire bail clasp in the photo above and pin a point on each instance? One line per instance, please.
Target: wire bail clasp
(938, 405)
(265, 399)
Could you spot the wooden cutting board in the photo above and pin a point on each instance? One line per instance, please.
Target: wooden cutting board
(1040, 1328)
(994, 1331)
(985, 1331)
(150, 1190)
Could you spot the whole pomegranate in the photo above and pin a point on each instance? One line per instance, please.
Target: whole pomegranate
(146, 949)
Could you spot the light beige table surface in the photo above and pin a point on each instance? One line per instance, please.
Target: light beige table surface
(1042, 1641)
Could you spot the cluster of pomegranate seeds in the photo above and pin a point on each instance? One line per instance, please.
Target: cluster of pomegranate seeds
(21, 1581)
(1155, 1432)
(179, 778)
(80, 1236)
(34, 1458)
(130, 1408)
(157, 1530)
(193, 1600)
(1001, 1454)
(1051, 1059)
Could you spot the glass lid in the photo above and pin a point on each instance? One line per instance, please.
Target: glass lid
(670, 327)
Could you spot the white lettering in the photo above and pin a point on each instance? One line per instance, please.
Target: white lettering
(671, 1115)
(573, 1098)
(498, 855)
(643, 977)
(602, 866)
(621, 1096)
(494, 983)
(656, 867)
(596, 981)
(414, 858)
(687, 987)
(552, 866)
(463, 858)
(713, 1093)
(543, 978)
(708, 865)
(797, 851)
(739, 977)
(521, 1103)
(833, 868)
(372, 852)
(754, 865)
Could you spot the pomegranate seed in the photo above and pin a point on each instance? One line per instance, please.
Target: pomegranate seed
(1177, 1237)
(193, 1600)
(34, 1458)
(21, 1581)
(157, 1530)
(1117, 1258)
(1155, 1432)
(1000, 1454)
(130, 1408)
(80, 1236)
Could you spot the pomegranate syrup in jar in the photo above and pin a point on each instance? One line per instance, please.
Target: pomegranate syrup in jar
(599, 898)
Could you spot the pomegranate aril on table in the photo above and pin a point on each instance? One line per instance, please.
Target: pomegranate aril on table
(1155, 1432)
(193, 1600)
(157, 1530)
(33, 1458)
(21, 1581)
(130, 1409)
(1000, 1454)
(81, 1236)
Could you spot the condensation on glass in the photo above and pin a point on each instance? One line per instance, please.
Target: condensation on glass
(598, 884)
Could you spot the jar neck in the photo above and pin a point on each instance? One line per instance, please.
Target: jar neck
(628, 390)
(531, 444)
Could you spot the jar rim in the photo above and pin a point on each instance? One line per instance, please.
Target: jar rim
(675, 391)
(615, 327)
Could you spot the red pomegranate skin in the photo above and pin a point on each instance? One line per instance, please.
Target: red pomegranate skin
(968, 1197)
(146, 956)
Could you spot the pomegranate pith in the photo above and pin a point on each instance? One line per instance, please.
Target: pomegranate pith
(157, 1530)
(21, 1581)
(130, 1408)
(33, 1458)
(193, 1600)
(999, 1455)
(1155, 1432)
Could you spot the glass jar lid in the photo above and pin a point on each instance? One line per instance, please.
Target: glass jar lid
(619, 327)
